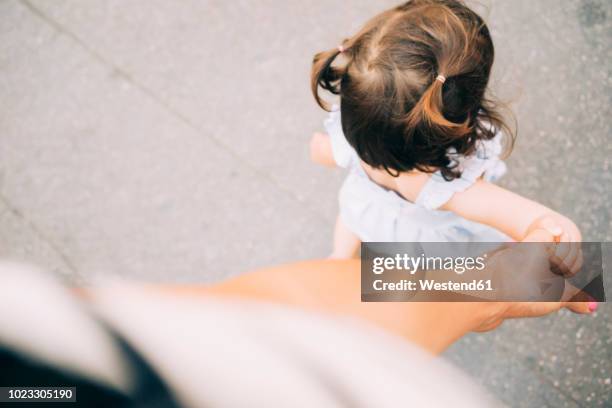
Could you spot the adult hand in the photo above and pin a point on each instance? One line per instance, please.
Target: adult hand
(536, 259)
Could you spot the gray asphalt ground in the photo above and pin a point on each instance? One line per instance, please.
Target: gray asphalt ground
(168, 141)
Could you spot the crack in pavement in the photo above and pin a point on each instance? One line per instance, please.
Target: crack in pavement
(39, 233)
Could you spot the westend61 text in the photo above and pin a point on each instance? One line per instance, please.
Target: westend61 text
(429, 284)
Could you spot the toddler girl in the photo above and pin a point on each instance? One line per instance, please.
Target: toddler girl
(419, 137)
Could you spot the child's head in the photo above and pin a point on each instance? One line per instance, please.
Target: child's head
(395, 113)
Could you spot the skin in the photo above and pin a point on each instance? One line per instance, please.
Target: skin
(483, 202)
(332, 287)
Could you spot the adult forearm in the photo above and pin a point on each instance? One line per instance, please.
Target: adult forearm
(333, 287)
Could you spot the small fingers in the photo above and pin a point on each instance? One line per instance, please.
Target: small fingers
(579, 261)
(567, 258)
(539, 235)
(572, 258)
(551, 226)
(562, 250)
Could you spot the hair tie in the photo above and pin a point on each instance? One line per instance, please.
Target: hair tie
(441, 78)
(341, 48)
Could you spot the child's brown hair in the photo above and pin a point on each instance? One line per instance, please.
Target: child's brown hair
(395, 114)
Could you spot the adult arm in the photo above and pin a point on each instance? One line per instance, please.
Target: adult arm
(333, 287)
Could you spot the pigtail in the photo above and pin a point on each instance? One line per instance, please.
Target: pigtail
(428, 112)
(325, 75)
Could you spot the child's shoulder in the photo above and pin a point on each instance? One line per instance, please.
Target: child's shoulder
(432, 190)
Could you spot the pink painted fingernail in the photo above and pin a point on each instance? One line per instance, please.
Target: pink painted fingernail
(592, 306)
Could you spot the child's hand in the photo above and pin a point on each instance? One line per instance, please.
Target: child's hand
(321, 151)
(567, 255)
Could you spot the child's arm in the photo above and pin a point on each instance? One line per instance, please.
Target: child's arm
(517, 217)
(487, 203)
(509, 212)
(321, 150)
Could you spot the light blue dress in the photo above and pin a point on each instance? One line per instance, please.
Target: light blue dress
(376, 214)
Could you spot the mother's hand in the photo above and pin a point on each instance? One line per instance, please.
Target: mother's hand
(534, 259)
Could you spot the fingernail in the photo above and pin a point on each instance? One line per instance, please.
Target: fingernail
(592, 306)
(555, 230)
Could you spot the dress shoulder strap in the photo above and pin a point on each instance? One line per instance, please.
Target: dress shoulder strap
(483, 163)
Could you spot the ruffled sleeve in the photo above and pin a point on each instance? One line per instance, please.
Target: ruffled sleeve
(484, 162)
(341, 149)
